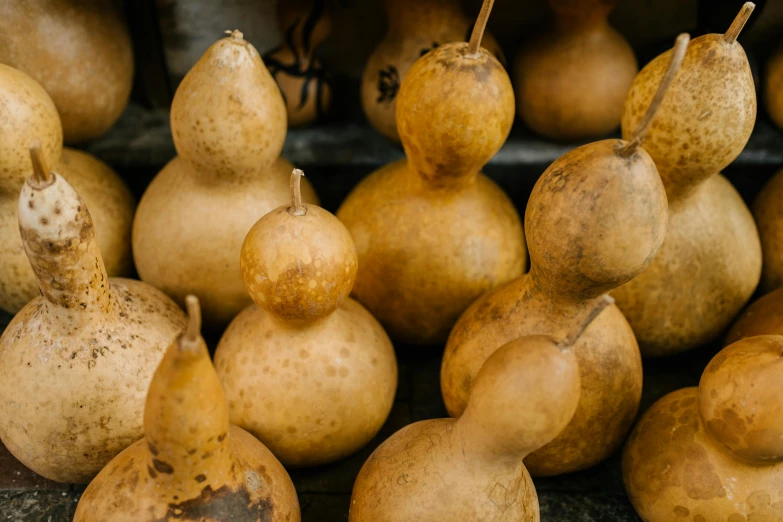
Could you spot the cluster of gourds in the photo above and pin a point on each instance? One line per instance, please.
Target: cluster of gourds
(105, 380)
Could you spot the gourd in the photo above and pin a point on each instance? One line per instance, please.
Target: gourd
(471, 468)
(768, 214)
(27, 113)
(415, 28)
(305, 24)
(572, 79)
(773, 87)
(763, 317)
(432, 232)
(713, 452)
(80, 52)
(307, 369)
(710, 262)
(76, 361)
(228, 121)
(595, 219)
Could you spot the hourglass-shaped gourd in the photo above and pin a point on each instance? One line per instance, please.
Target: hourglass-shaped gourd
(228, 121)
(572, 80)
(307, 370)
(76, 361)
(714, 452)
(710, 262)
(191, 464)
(432, 232)
(595, 219)
(415, 28)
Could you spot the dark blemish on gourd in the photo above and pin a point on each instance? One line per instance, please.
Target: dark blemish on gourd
(162, 467)
(201, 478)
(222, 437)
(152, 472)
(206, 455)
(152, 449)
(221, 504)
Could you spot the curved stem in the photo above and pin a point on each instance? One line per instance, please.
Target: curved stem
(193, 330)
(576, 332)
(41, 173)
(739, 22)
(639, 133)
(481, 25)
(236, 34)
(296, 208)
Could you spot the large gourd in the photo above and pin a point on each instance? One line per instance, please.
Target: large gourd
(768, 213)
(191, 464)
(415, 28)
(228, 121)
(571, 80)
(306, 369)
(773, 86)
(710, 263)
(75, 362)
(763, 317)
(594, 220)
(432, 232)
(27, 113)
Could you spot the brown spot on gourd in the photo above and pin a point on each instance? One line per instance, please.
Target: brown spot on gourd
(222, 504)
(162, 467)
(201, 478)
(681, 511)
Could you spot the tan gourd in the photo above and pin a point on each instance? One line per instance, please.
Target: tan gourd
(307, 369)
(26, 114)
(304, 24)
(595, 219)
(75, 362)
(471, 468)
(713, 453)
(773, 87)
(571, 81)
(415, 27)
(432, 232)
(191, 464)
(79, 51)
(228, 121)
(768, 213)
(710, 263)
(763, 317)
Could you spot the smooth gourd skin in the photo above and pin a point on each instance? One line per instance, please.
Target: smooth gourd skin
(773, 87)
(80, 52)
(713, 452)
(763, 317)
(432, 232)
(572, 80)
(414, 29)
(710, 262)
(768, 213)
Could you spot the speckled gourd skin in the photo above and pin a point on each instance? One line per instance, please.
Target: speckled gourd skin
(763, 317)
(80, 51)
(768, 213)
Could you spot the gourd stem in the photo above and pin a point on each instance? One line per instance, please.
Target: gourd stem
(296, 208)
(481, 24)
(639, 133)
(578, 330)
(41, 172)
(236, 34)
(193, 330)
(739, 22)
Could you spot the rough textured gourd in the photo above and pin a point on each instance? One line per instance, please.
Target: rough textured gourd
(76, 361)
(191, 464)
(471, 468)
(571, 80)
(773, 87)
(768, 214)
(432, 232)
(228, 121)
(415, 28)
(306, 369)
(27, 114)
(763, 317)
(304, 24)
(710, 262)
(594, 220)
(714, 452)
(80, 52)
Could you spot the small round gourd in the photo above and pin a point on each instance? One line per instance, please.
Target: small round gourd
(763, 317)
(768, 214)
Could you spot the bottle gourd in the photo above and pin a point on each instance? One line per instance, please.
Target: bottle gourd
(432, 232)
(763, 317)
(415, 28)
(228, 121)
(75, 362)
(710, 262)
(714, 452)
(594, 220)
(191, 464)
(571, 81)
(306, 369)
(768, 214)
(471, 468)
(27, 113)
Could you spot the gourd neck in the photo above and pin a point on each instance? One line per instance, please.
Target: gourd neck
(404, 15)
(680, 186)
(557, 289)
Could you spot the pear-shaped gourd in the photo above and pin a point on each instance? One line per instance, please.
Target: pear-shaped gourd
(714, 452)
(432, 232)
(415, 28)
(571, 80)
(191, 464)
(75, 362)
(228, 121)
(79, 51)
(28, 114)
(710, 263)
(763, 317)
(307, 369)
(471, 468)
(768, 214)
(304, 24)
(595, 219)
(773, 87)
